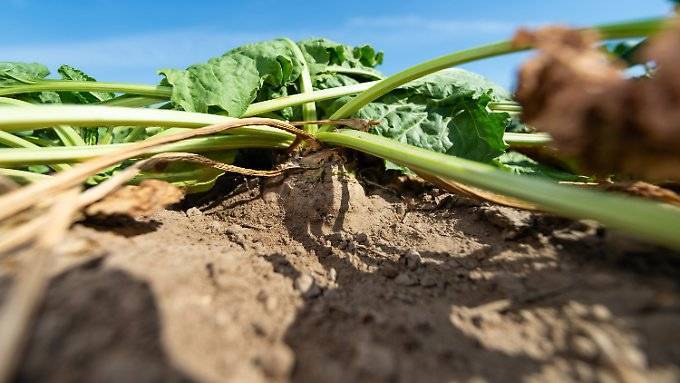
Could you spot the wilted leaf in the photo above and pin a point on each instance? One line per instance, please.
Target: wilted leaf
(646, 190)
(137, 200)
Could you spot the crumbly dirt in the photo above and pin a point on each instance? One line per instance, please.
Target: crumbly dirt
(608, 123)
(316, 277)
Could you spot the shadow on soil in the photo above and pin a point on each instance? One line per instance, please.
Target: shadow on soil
(97, 325)
(371, 328)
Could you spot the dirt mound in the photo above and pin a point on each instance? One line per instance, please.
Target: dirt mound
(317, 277)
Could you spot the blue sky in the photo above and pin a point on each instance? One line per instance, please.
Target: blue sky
(126, 40)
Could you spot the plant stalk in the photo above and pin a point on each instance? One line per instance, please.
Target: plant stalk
(70, 154)
(66, 134)
(607, 32)
(309, 108)
(88, 86)
(22, 177)
(14, 119)
(132, 101)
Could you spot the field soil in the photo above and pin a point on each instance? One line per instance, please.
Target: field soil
(325, 276)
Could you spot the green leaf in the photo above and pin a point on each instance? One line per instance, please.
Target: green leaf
(231, 82)
(263, 71)
(40, 97)
(275, 61)
(92, 135)
(518, 163)
(321, 54)
(332, 80)
(73, 74)
(40, 169)
(15, 73)
(444, 112)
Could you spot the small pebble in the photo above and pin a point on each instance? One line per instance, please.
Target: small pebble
(269, 196)
(332, 274)
(216, 227)
(578, 308)
(411, 260)
(306, 285)
(193, 212)
(406, 279)
(361, 238)
(584, 347)
(601, 313)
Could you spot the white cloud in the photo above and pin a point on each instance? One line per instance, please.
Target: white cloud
(406, 39)
(171, 48)
(182, 47)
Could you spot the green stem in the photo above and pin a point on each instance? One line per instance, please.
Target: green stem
(66, 134)
(504, 107)
(526, 139)
(609, 31)
(9, 139)
(643, 219)
(254, 109)
(354, 71)
(107, 138)
(158, 94)
(132, 101)
(263, 107)
(308, 109)
(13, 119)
(135, 134)
(42, 141)
(22, 177)
(12, 101)
(13, 141)
(69, 154)
(88, 86)
(18, 119)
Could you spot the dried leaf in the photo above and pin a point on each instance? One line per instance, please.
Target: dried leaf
(476, 193)
(646, 190)
(137, 201)
(7, 185)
